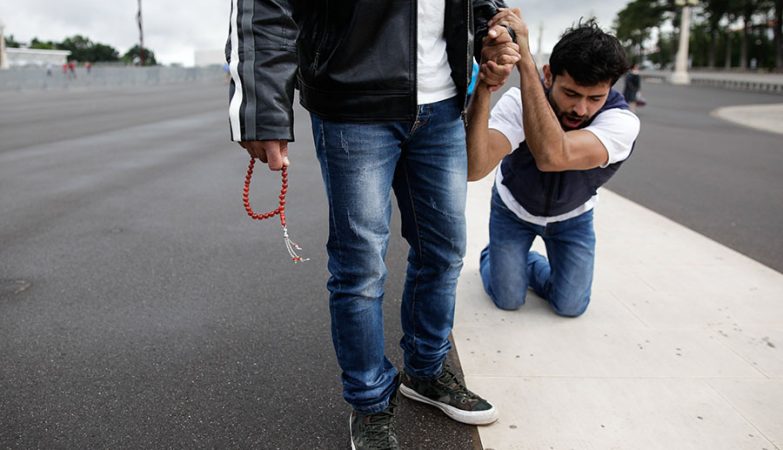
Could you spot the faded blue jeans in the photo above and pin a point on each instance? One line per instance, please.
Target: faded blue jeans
(508, 266)
(425, 163)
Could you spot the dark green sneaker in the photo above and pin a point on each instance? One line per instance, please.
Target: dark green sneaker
(448, 394)
(375, 431)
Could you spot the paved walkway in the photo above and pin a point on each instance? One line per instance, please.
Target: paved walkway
(761, 117)
(682, 346)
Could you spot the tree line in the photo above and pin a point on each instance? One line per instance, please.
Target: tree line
(740, 34)
(85, 50)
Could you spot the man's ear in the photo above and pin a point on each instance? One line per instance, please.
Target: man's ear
(547, 76)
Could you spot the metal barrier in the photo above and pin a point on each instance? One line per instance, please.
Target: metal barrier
(37, 78)
(755, 82)
(744, 85)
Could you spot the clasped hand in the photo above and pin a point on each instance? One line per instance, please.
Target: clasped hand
(500, 53)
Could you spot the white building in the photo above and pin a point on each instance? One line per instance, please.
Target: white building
(204, 58)
(11, 57)
(18, 57)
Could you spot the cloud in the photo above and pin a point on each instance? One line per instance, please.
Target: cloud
(554, 16)
(174, 29)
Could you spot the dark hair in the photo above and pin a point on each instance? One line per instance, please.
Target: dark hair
(590, 55)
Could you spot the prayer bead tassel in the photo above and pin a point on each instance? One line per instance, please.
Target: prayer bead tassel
(290, 245)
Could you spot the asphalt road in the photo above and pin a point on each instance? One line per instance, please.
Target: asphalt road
(141, 308)
(717, 178)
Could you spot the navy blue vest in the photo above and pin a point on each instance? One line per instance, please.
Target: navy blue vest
(547, 194)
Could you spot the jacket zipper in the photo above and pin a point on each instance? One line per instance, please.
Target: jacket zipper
(323, 37)
(468, 61)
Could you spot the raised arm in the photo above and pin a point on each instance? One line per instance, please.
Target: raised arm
(554, 149)
(486, 147)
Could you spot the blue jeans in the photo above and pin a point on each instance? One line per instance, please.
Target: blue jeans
(508, 267)
(425, 163)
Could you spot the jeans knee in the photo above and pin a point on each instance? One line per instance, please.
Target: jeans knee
(450, 254)
(448, 263)
(574, 307)
(508, 302)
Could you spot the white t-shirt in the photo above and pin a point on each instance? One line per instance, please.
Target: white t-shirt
(433, 73)
(616, 128)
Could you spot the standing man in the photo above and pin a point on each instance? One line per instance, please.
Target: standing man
(569, 135)
(385, 83)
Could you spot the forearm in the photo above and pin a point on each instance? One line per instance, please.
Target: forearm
(543, 132)
(479, 158)
(263, 65)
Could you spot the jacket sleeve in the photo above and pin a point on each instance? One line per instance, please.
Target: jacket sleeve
(483, 12)
(261, 54)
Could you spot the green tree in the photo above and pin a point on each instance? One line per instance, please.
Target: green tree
(635, 22)
(749, 7)
(78, 45)
(10, 42)
(742, 27)
(777, 32)
(43, 45)
(133, 56)
(83, 49)
(664, 53)
(714, 12)
(104, 53)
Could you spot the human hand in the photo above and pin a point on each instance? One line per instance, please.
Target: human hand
(274, 152)
(499, 54)
(512, 18)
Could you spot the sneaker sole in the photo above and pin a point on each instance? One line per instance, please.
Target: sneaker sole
(350, 430)
(471, 418)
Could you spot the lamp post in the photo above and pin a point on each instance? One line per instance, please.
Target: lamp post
(540, 52)
(680, 75)
(3, 54)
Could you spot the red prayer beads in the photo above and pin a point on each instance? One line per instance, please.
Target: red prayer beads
(279, 211)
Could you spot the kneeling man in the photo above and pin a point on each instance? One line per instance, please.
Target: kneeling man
(559, 141)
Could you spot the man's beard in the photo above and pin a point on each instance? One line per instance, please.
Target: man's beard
(568, 121)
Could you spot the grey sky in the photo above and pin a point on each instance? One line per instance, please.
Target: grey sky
(174, 29)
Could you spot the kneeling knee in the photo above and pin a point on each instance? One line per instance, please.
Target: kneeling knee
(571, 307)
(508, 303)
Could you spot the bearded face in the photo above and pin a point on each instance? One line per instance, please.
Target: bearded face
(573, 103)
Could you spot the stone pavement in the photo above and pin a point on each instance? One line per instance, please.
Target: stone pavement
(681, 347)
(761, 117)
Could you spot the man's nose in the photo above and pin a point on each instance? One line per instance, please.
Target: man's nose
(581, 107)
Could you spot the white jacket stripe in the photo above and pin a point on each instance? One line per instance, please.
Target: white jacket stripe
(237, 98)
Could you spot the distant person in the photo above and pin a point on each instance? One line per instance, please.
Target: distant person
(557, 142)
(72, 69)
(88, 67)
(633, 84)
(49, 68)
